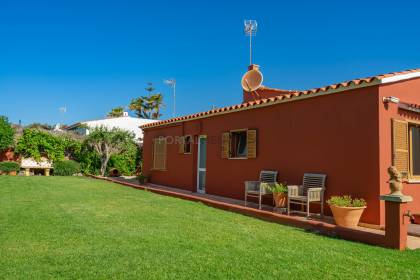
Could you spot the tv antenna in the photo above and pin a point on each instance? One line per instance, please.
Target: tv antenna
(172, 84)
(250, 31)
(63, 109)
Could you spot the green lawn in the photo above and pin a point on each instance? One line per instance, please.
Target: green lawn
(59, 227)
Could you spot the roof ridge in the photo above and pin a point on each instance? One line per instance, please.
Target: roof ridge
(291, 94)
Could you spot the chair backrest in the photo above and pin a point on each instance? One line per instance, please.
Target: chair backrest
(314, 180)
(268, 176)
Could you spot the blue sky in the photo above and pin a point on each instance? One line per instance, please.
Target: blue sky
(95, 55)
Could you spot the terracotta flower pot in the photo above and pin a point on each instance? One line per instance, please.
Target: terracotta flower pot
(12, 173)
(280, 199)
(347, 216)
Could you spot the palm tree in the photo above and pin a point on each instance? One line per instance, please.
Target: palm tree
(156, 103)
(148, 107)
(140, 107)
(116, 112)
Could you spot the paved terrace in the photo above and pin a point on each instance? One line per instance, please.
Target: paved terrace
(323, 226)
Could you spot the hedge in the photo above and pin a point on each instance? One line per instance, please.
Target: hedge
(66, 168)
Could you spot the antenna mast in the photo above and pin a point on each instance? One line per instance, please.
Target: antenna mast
(250, 31)
(172, 84)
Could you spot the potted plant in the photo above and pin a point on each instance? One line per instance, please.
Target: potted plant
(346, 210)
(143, 179)
(9, 167)
(279, 191)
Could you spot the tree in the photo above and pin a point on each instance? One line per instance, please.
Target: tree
(140, 107)
(108, 142)
(156, 103)
(116, 112)
(148, 107)
(7, 134)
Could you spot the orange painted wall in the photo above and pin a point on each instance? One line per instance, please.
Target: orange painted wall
(335, 134)
(407, 91)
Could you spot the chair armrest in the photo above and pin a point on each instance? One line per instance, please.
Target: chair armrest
(315, 194)
(294, 190)
(252, 186)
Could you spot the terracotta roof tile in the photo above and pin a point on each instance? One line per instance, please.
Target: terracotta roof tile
(284, 95)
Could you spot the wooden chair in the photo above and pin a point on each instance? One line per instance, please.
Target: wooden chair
(256, 189)
(312, 190)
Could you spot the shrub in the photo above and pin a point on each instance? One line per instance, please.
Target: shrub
(7, 134)
(36, 143)
(276, 187)
(9, 166)
(90, 162)
(346, 201)
(127, 161)
(66, 168)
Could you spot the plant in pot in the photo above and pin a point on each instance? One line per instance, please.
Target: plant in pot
(346, 210)
(143, 179)
(9, 167)
(279, 191)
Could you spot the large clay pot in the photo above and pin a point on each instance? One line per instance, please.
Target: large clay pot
(12, 173)
(280, 199)
(347, 216)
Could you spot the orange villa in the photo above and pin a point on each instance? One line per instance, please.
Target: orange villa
(352, 131)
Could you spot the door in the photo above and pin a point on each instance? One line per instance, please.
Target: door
(201, 164)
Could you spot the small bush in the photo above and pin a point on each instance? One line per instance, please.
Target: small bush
(346, 201)
(66, 168)
(276, 187)
(9, 166)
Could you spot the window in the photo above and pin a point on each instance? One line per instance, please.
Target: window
(159, 153)
(238, 147)
(415, 150)
(185, 144)
(239, 144)
(406, 148)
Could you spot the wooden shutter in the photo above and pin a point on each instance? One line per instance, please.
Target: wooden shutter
(181, 147)
(159, 155)
(225, 144)
(400, 146)
(251, 143)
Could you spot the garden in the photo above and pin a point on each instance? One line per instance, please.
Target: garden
(104, 151)
(77, 227)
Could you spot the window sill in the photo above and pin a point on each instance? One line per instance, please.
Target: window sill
(413, 181)
(155, 169)
(238, 158)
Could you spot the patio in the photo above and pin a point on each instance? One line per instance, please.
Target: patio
(323, 226)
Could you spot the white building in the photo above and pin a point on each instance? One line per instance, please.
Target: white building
(125, 122)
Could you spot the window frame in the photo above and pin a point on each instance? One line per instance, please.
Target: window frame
(411, 124)
(246, 143)
(184, 144)
(165, 153)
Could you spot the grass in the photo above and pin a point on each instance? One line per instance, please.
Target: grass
(64, 227)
